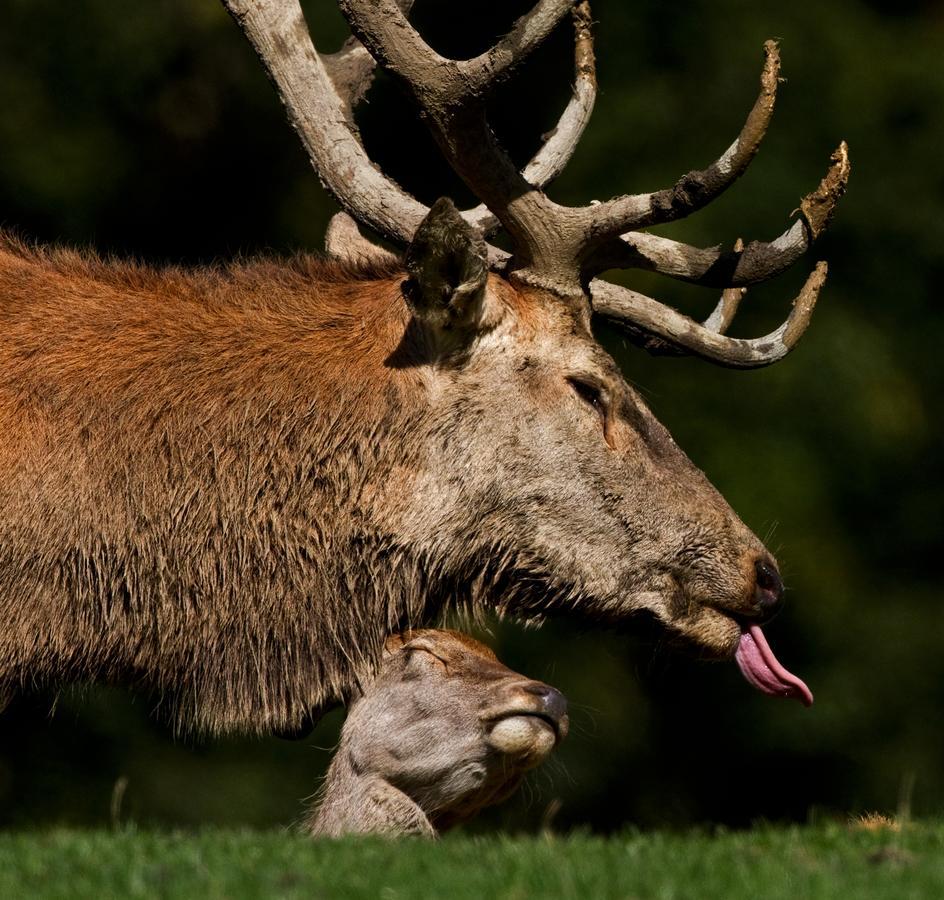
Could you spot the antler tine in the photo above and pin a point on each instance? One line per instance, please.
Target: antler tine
(528, 32)
(758, 261)
(278, 33)
(344, 242)
(351, 69)
(650, 323)
(698, 188)
(556, 151)
(718, 321)
(726, 309)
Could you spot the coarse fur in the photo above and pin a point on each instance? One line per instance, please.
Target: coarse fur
(229, 485)
(158, 456)
(444, 731)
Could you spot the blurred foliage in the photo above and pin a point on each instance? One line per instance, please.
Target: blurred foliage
(149, 129)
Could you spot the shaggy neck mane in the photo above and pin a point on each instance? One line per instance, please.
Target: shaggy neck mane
(193, 461)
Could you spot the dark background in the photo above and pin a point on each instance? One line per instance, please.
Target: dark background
(148, 129)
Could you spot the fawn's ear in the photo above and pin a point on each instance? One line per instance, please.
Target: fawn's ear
(448, 266)
(394, 644)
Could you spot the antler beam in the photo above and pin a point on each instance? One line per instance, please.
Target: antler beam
(449, 93)
(354, 67)
(396, 45)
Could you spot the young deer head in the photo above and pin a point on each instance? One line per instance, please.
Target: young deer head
(546, 468)
(443, 731)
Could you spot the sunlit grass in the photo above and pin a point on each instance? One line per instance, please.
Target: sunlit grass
(876, 857)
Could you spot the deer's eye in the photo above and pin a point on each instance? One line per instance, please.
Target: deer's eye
(422, 658)
(591, 395)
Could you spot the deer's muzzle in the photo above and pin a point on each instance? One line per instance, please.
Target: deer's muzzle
(531, 724)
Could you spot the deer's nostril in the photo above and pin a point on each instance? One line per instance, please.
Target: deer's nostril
(554, 703)
(768, 589)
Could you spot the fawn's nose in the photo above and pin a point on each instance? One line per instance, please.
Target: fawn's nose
(768, 589)
(553, 702)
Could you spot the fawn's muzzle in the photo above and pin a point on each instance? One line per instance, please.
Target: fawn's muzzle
(552, 702)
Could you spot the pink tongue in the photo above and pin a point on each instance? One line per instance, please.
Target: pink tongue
(760, 667)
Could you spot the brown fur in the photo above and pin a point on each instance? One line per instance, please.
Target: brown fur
(229, 485)
(156, 456)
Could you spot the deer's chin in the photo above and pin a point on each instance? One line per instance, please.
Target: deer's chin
(696, 624)
(710, 633)
(703, 631)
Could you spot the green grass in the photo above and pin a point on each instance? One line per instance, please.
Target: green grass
(797, 863)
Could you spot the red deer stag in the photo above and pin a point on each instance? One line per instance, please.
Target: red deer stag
(230, 485)
(444, 731)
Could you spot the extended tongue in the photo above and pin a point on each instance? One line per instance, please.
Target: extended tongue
(761, 668)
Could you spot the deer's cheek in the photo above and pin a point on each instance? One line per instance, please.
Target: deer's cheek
(611, 434)
(619, 436)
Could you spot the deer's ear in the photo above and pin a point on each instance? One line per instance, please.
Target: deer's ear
(448, 266)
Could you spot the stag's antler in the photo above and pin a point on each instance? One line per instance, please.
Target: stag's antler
(560, 248)
(320, 92)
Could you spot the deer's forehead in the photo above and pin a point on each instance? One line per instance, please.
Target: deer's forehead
(465, 661)
(543, 313)
(462, 646)
(450, 643)
(558, 351)
(536, 329)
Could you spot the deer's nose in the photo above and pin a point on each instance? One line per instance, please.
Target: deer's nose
(768, 589)
(553, 702)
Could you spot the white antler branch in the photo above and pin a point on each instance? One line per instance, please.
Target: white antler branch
(643, 319)
(557, 150)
